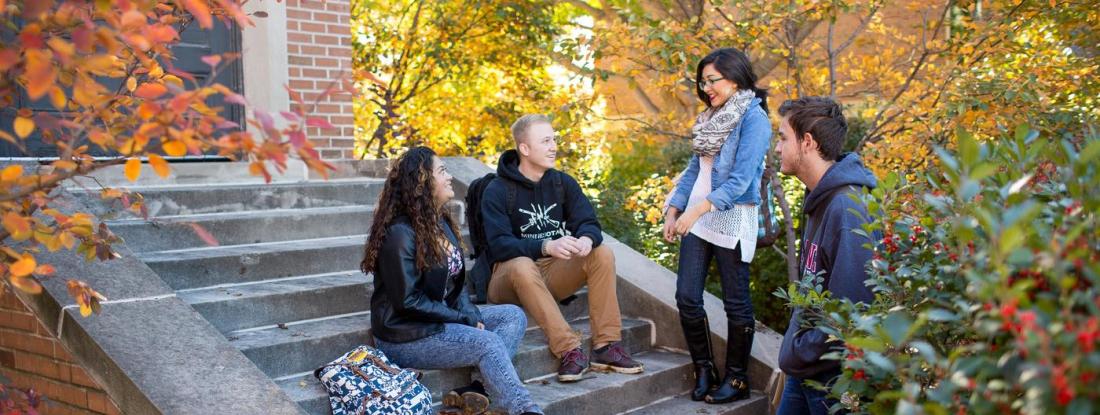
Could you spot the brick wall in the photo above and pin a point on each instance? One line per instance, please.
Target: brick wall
(318, 53)
(30, 357)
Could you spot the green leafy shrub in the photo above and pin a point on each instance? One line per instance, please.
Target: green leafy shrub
(986, 285)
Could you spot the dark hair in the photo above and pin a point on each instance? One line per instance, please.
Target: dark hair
(733, 65)
(822, 118)
(408, 191)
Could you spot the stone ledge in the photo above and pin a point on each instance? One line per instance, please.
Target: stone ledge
(151, 352)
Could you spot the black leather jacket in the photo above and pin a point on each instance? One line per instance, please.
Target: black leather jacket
(408, 304)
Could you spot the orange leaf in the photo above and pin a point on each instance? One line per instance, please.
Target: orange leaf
(85, 296)
(200, 10)
(57, 98)
(174, 148)
(26, 284)
(148, 110)
(133, 169)
(64, 49)
(23, 126)
(133, 19)
(11, 172)
(150, 91)
(23, 267)
(40, 72)
(17, 225)
(159, 165)
(68, 165)
(101, 64)
(45, 269)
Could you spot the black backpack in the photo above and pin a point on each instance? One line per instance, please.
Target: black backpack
(479, 275)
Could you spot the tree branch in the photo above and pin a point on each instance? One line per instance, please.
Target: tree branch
(875, 125)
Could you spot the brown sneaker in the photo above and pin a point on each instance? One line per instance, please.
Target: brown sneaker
(614, 357)
(574, 364)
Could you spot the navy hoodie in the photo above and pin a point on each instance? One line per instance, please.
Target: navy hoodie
(839, 254)
(536, 213)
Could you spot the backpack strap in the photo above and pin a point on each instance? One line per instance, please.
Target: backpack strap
(559, 189)
(510, 199)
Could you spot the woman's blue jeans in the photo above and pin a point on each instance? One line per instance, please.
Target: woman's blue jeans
(490, 350)
(691, 278)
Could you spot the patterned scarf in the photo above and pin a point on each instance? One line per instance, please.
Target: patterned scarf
(714, 125)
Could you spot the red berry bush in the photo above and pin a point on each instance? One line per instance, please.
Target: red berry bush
(986, 285)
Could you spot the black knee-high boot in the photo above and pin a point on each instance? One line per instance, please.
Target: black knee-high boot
(735, 386)
(697, 334)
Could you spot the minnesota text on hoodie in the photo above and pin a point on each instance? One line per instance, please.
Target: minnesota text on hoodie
(838, 255)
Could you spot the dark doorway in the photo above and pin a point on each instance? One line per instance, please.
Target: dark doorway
(194, 44)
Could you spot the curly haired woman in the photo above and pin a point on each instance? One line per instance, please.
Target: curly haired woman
(420, 314)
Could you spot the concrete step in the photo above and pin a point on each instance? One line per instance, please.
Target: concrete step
(212, 265)
(206, 266)
(682, 404)
(602, 393)
(304, 346)
(235, 228)
(271, 302)
(209, 198)
(608, 393)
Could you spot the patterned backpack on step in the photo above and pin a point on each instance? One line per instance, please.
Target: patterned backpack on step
(364, 381)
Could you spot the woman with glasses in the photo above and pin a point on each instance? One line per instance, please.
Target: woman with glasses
(714, 212)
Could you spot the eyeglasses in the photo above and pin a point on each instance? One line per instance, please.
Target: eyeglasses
(707, 82)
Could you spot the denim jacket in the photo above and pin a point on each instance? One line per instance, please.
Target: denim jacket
(735, 178)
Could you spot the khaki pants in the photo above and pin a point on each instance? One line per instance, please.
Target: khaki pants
(537, 286)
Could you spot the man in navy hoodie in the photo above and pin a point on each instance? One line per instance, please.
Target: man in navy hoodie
(544, 241)
(812, 131)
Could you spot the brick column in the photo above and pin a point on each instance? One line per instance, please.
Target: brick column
(318, 54)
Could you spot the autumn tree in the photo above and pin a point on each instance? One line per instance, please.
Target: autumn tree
(98, 84)
(453, 74)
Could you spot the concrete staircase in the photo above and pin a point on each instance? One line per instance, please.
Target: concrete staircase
(282, 285)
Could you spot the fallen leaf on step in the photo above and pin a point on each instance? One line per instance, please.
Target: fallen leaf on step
(282, 326)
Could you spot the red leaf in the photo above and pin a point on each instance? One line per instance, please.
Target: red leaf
(33, 10)
(289, 116)
(294, 95)
(204, 234)
(265, 119)
(227, 125)
(319, 123)
(212, 60)
(31, 37)
(236, 99)
(82, 38)
(233, 9)
(161, 33)
(8, 58)
(150, 91)
(297, 138)
(180, 73)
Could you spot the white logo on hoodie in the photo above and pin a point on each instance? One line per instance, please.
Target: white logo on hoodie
(539, 218)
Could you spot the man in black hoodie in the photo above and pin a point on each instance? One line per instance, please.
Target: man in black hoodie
(544, 241)
(812, 131)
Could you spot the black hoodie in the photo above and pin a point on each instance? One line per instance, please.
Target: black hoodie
(536, 213)
(840, 255)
